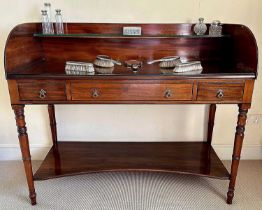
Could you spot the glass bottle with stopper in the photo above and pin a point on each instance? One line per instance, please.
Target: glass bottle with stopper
(200, 28)
(45, 23)
(49, 14)
(59, 22)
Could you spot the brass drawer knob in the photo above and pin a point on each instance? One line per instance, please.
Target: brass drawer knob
(168, 93)
(95, 93)
(220, 94)
(42, 94)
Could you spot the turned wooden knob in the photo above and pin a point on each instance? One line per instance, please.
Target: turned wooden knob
(168, 93)
(42, 94)
(220, 94)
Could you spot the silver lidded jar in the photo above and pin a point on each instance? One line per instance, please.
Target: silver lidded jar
(200, 28)
(215, 28)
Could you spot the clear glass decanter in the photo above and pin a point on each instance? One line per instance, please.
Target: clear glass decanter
(49, 14)
(45, 22)
(200, 28)
(59, 22)
(215, 28)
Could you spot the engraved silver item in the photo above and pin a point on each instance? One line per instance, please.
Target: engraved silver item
(132, 31)
(102, 70)
(79, 68)
(105, 61)
(188, 66)
(167, 62)
(135, 65)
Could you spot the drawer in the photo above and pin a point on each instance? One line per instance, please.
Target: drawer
(131, 92)
(213, 91)
(42, 90)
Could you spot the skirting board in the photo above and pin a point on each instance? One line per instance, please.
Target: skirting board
(38, 152)
(13, 152)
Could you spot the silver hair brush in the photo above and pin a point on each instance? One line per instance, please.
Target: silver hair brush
(167, 62)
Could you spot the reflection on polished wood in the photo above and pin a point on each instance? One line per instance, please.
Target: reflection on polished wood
(35, 71)
(195, 158)
(232, 54)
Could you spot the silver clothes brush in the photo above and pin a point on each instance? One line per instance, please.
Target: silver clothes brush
(167, 62)
(78, 68)
(188, 66)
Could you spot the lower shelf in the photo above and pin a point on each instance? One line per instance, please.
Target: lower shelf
(72, 158)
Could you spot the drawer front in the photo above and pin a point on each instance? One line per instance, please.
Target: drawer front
(209, 91)
(42, 91)
(131, 92)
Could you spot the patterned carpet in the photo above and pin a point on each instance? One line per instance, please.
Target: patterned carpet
(131, 191)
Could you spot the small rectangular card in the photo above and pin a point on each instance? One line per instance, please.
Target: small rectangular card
(132, 31)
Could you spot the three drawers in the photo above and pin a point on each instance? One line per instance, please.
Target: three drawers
(131, 92)
(42, 90)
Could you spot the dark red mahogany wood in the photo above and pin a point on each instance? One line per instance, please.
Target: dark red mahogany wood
(211, 122)
(52, 119)
(195, 158)
(35, 70)
(239, 137)
(234, 53)
(24, 144)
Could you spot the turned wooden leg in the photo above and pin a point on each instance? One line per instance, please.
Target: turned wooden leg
(51, 111)
(211, 119)
(24, 145)
(239, 136)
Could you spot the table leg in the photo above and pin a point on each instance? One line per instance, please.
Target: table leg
(51, 112)
(211, 119)
(52, 118)
(24, 145)
(239, 136)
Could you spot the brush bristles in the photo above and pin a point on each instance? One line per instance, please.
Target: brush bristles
(189, 66)
(169, 64)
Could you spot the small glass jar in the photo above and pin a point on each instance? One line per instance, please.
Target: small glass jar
(45, 22)
(59, 22)
(215, 28)
(200, 28)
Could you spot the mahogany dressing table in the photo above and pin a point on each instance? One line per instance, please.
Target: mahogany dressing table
(35, 71)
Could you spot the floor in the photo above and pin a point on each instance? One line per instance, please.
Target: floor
(131, 191)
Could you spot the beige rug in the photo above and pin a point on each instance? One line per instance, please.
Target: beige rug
(131, 191)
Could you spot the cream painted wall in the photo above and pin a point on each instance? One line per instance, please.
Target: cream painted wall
(132, 122)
